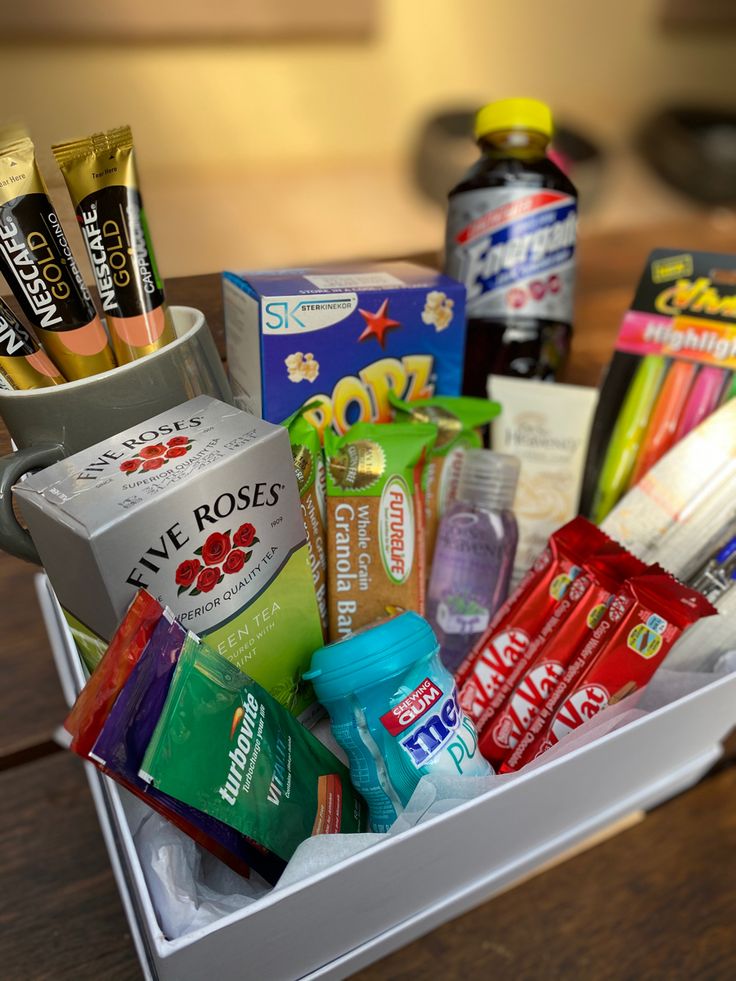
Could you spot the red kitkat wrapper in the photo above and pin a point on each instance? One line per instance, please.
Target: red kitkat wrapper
(620, 657)
(525, 613)
(91, 709)
(537, 673)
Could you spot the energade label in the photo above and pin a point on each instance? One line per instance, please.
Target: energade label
(514, 251)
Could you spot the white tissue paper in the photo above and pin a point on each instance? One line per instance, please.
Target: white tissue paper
(191, 889)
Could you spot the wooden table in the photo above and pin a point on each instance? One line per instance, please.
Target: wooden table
(656, 901)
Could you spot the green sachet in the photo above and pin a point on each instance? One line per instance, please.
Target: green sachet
(310, 475)
(226, 747)
(458, 420)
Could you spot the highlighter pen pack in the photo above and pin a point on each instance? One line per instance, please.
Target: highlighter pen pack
(673, 366)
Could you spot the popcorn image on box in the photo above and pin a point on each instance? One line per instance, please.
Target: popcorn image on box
(342, 336)
(200, 506)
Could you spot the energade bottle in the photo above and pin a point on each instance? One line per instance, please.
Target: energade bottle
(511, 239)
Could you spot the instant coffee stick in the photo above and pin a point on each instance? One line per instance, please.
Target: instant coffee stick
(23, 363)
(39, 267)
(101, 174)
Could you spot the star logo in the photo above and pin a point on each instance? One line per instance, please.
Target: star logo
(377, 324)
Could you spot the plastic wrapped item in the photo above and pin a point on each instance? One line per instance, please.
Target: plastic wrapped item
(375, 527)
(677, 513)
(224, 746)
(91, 709)
(122, 742)
(632, 639)
(538, 671)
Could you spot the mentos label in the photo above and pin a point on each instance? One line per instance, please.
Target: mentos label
(435, 731)
(515, 251)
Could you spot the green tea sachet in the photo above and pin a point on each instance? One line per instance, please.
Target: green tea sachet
(458, 420)
(226, 747)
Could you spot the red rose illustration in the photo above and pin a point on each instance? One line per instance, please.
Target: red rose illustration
(154, 463)
(208, 579)
(234, 562)
(177, 441)
(215, 548)
(244, 535)
(187, 572)
(150, 451)
(128, 466)
(176, 451)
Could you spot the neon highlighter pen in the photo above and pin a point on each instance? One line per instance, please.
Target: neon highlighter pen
(660, 434)
(730, 390)
(703, 399)
(627, 434)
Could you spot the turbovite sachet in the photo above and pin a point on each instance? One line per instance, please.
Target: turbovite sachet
(199, 506)
(342, 336)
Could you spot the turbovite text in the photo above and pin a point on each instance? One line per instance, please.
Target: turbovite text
(244, 757)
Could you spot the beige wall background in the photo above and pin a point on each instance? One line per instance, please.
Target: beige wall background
(262, 153)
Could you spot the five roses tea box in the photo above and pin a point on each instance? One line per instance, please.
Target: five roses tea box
(200, 506)
(343, 337)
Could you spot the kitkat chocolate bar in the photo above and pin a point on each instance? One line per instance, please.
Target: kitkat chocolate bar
(633, 638)
(538, 671)
(525, 612)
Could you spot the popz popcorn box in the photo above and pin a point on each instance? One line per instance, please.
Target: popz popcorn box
(342, 336)
(200, 506)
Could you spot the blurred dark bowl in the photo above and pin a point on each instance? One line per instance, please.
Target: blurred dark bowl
(694, 150)
(445, 148)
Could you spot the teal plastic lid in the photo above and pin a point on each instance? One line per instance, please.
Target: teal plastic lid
(370, 655)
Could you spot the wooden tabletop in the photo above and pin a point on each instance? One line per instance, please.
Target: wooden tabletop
(656, 901)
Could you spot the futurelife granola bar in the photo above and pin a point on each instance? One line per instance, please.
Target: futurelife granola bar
(375, 525)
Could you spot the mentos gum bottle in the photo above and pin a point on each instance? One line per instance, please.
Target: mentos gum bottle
(511, 240)
(395, 711)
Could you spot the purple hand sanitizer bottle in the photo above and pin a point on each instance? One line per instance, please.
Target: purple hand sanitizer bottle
(474, 553)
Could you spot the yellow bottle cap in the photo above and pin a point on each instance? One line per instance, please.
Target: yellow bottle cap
(513, 114)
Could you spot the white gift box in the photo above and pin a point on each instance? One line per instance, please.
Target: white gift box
(360, 909)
